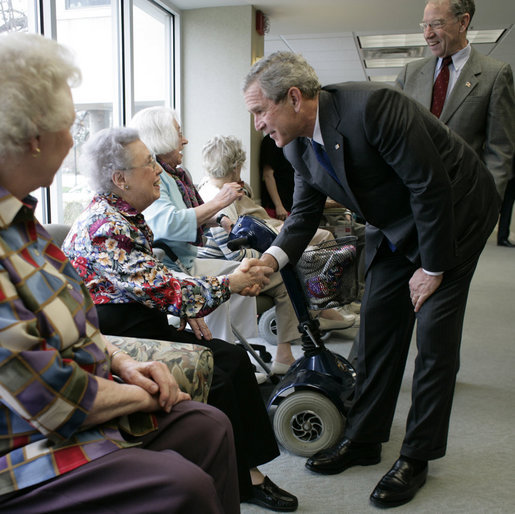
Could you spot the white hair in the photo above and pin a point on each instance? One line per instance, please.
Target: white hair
(156, 128)
(35, 77)
(221, 155)
(105, 152)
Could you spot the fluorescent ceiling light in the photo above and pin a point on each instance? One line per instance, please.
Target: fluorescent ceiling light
(393, 52)
(392, 40)
(389, 63)
(484, 36)
(387, 41)
(382, 78)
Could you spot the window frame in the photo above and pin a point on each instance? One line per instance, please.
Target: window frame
(123, 38)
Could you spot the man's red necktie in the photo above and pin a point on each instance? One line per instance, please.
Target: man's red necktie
(440, 87)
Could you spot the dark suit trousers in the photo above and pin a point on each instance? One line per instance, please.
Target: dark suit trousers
(503, 232)
(234, 389)
(387, 321)
(187, 466)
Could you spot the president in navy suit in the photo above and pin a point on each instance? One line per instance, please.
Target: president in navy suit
(430, 205)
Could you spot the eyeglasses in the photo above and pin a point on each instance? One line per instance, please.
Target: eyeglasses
(434, 25)
(152, 163)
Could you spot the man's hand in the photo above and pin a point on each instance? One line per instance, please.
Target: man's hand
(199, 327)
(155, 378)
(422, 286)
(247, 264)
(250, 277)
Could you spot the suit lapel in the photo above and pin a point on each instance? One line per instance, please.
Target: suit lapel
(467, 81)
(422, 89)
(334, 143)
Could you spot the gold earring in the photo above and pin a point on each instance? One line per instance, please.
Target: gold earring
(36, 154)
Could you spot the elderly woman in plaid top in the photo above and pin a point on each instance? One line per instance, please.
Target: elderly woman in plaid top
(71, 438)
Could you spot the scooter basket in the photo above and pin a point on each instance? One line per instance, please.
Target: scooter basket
(328, 275)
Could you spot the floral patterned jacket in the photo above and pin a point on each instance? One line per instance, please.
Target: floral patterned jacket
(110, 246)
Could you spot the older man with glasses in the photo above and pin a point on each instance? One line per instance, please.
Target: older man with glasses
(471, 93)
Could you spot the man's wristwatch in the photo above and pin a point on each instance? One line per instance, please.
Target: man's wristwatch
(219, 219)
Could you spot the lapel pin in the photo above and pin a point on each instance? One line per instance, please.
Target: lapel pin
(468, 84)
(336, 146)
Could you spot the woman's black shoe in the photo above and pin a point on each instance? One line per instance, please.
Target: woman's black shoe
(271, 497)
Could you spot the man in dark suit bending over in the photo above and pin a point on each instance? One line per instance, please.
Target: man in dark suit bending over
(430, 205)
(479, 100)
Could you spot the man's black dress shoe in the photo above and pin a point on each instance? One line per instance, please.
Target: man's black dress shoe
(271, 497)
(505, 242)
(344, 455)
(399, 485)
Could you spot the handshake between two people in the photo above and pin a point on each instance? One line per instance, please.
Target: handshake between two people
(249, 278)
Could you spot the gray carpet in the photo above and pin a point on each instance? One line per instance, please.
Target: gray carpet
(477, 474)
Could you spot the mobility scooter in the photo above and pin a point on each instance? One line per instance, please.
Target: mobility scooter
(309, 404)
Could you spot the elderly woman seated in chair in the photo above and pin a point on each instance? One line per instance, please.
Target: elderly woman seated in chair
(110, 245)
(73, 439)
(179, 217)
(223, 159)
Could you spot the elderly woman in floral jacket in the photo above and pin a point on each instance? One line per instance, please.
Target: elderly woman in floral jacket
(110, 245)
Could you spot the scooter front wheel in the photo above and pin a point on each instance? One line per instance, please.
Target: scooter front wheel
(267, 326)
(306, 422)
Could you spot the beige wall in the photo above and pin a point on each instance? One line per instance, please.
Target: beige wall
(218, 48)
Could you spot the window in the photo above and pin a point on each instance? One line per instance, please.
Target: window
(17, 15)
(114, 84)
(77, 4)
(21, 16)
(89, 33)
(153, 48)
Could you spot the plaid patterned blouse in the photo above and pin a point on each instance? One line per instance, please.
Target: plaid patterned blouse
(50, 349)
(110, 246)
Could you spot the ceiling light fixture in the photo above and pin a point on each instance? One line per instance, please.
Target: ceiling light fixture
(399, 40)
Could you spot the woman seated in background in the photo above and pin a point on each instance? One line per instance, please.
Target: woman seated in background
(177, 219)
(174, 220)
(110, 245)
(73, 439)
(223, 158)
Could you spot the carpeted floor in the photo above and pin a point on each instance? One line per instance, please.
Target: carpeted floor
(477, 474)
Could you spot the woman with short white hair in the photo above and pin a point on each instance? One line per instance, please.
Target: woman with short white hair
(179, 217)
(223, 159)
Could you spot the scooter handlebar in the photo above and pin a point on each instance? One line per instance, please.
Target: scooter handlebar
(236, 244)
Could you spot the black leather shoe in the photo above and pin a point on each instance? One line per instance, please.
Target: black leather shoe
(505, 242)
(344, 455)
(399, 485)
(271, 497)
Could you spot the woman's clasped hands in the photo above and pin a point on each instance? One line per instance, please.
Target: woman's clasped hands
(155, 378)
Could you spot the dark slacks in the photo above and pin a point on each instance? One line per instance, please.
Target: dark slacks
(234, 389)
(503, 232)
(387, 321)
(188, 465)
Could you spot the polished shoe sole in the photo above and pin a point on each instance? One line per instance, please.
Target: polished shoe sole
(398, 503)
(370, 461)
(269, 507)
